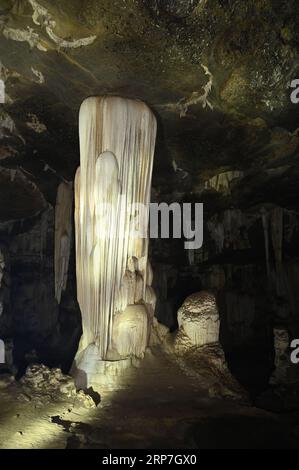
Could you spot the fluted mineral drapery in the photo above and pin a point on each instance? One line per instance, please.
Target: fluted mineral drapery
(117, 140)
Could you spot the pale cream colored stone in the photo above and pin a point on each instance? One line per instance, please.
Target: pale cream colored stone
(63, 236)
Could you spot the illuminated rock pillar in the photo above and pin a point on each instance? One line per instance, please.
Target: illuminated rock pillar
(117, 141)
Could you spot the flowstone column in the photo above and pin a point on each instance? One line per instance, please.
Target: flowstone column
(117, 141)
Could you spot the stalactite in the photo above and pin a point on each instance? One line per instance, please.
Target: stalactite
(2, 266)
(233, 221)
(265, 222)
(63, 235)
(117, 139)
(150, 299)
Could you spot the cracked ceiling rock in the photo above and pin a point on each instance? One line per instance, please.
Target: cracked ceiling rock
(40, 79)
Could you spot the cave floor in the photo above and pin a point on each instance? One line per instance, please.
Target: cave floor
(154, 406)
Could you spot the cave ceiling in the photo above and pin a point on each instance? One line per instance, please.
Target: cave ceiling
(216, 73)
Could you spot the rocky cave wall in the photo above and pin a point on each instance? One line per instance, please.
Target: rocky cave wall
(254, 299)
(216, 74)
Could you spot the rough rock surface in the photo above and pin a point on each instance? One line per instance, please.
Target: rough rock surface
(285, 372)
(216, 73)
(130, 331)
(149, 404)
(208, 364)
(239, 56)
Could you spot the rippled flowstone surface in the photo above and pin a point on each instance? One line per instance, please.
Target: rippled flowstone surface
(157, 404)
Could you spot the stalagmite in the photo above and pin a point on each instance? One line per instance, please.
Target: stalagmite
(117, 140)
(63, 236)
(265, 222)
(2, 266)
(277, 234)
(276, 220)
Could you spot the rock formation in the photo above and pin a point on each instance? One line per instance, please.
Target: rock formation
(198, 317)
(217, 75)
(197, 348)
(117, 140)
(222, 182)
(282, 357)
(2, 265)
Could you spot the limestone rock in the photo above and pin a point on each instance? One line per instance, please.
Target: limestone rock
(63, 236)
(89, 370)
(199, 318)
(223, 181)
(130, 331)
(150, 300)
(284, 372)
(209, 364)
(45, 384)
(39, 377)
(117, 141)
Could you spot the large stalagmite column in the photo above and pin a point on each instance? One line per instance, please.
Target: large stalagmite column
(117, 140)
